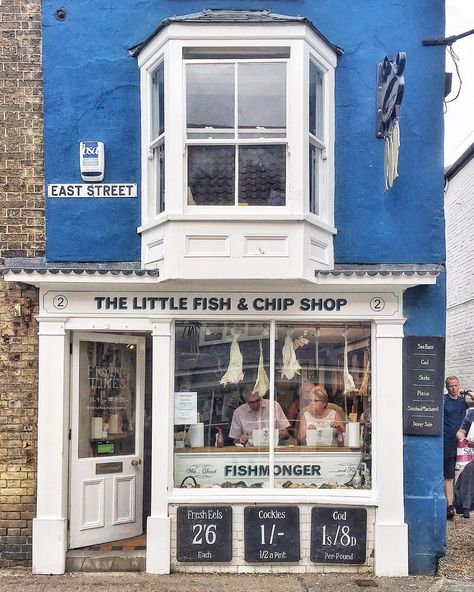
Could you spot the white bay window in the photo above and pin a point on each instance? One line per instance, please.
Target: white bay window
(249, 172)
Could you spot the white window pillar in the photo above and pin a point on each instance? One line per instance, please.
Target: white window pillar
(391, 532)
(50, 524)
(158, 523)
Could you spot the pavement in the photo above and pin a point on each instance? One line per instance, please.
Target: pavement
(21, 580)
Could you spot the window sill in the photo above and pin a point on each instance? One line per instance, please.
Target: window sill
(266, 216)
(245, 496)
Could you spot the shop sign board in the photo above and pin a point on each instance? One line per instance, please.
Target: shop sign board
(334, 304)
(216, 468)
(272, 534)
(423, 372)
(204, 533)
(338, 535)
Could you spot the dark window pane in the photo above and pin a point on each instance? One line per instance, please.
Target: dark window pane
(158, 101)
(160, 178)
(316, 105)
(262, 97)
(313, 179)
(210, 97)
(262, 175)
(219, 53)
(211, 175)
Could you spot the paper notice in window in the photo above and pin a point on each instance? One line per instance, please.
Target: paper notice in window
(185, 408)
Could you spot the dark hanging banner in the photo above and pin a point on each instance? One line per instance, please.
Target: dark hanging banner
(338, 535)
(272, 534)
(423, 385)
(204, 533)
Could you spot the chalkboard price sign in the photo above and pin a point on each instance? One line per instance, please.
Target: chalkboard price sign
(338, 535)
(423, 372)
(272, 534)
(204, 533)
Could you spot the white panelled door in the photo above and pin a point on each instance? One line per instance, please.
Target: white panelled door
(106, 476)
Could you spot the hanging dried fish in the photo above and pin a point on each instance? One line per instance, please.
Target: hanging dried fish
(262, 384)
(349, 385)
(364, 385)
(234, 372)
(290, 366)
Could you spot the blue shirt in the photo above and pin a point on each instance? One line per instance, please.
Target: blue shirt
(454, 412)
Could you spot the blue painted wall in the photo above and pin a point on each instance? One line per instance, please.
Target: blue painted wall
(425, 504)
(92, 93)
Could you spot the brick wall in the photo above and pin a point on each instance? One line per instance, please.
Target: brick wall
(459, 205)
(21, 235)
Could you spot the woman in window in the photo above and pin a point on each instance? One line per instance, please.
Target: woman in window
(318, 415)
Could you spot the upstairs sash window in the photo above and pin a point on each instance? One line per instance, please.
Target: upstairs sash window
(236, 133)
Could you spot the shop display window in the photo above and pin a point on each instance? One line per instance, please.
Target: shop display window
(235, 381)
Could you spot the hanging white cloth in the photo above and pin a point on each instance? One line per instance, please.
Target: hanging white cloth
(234, 373)
(262, 383)
(349, 385)
(392, 148)
(290, 365)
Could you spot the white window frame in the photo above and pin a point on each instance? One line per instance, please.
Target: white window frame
(155, 143)
(237, 141)
(304, 45)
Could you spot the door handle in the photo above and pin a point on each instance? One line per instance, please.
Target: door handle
(136, 461)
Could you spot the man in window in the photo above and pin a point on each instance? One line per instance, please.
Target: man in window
(252, 417)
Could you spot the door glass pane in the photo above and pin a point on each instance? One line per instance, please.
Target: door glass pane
(210, 98)
(211, 175)
(221, 403)
(316, 104)
(107, 398)
(262, 175)
(262, 99)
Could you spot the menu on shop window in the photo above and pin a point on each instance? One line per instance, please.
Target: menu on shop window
(423, 385)
(204, 533)
(338, 535)
(272, 534)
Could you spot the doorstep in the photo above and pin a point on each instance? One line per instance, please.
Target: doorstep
(124, 555)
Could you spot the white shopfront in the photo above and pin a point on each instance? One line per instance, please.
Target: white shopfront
(93, 454)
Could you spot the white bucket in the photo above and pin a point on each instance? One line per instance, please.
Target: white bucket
(196, 435)
(353, 434)
(96, 428)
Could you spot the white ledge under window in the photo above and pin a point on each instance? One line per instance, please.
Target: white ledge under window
(332, 497)
(237, 217)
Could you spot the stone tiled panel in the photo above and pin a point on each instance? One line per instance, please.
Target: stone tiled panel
(239, 565)
(21, 234)
(459, 204)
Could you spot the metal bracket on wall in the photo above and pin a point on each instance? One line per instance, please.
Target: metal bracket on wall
(390, 87)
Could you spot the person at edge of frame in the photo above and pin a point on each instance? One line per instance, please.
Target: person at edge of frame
(455, 405)
(464, 490)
